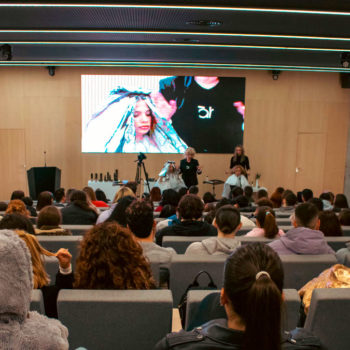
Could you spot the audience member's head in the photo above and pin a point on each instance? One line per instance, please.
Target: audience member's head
(344, 217)
(252, 294)
(210, 216)
(236, 191)
(276, 199)
(171, 197)
(156, 194)
(227, 220)
(325, 196)
(79, 199)
(101, 196)
(90, 193)
(132, 185)
(331, 194)
(306, 215)
(241, 201)
(3, 206)
(329, 224)
(68, 194)
(280, 190)
(16, 222)
(222, 202)
(17, 206)
(139, 218)
(27, 201)
(182, 191)
(341, 201)
(248, 191)
(110, 258)
(118, 213)
(208, 197)
(193, 190)
(49, 216)
(59, 195)
(307, 194)
(147, 197)
(262, 193)
(190, 207)
(264, 202)
(45, 198)
(123, 192)
(167, 211)
(18, 194)
(317, 202)
(290, 200)
(265, 218)
(286, 193)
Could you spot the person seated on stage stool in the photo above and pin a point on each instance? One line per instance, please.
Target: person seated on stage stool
(169, 177)
(228, 221)
(190, 212)
(236, 179)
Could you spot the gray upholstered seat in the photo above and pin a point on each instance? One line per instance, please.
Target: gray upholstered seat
(51, 267)
(37, 301)
(289, 318)
(337, 243)
(300, 269)
(54, 243)
(77, 230)
(115, 319)
(346, 230)
(328, 317)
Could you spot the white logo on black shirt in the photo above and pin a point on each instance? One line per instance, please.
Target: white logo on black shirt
(204, 113)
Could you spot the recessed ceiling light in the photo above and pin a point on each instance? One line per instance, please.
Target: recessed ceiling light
(204, 23)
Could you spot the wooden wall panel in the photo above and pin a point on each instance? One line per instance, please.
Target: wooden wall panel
(49, 111)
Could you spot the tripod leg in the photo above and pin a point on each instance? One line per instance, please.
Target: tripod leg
(146, 177)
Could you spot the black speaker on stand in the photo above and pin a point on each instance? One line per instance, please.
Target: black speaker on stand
(43, 179)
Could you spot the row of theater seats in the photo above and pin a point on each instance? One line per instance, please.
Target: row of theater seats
(135, 319)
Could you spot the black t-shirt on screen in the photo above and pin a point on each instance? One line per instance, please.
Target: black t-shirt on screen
(206, 119)
(189, 172)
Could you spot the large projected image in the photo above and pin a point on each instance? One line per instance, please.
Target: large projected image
(161, 114)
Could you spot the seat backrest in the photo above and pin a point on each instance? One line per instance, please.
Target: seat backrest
(54, 243)
(328, 317)
(300, 269)
(346, 230)
(337, 243)
(181, 243)
(115, 319)
(51, 267)
(77, 230)
(184, 268)
(283, 222)
(37, 301)
(290, 315)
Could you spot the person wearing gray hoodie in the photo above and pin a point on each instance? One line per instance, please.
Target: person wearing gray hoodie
(305, 238)
(21, 329)
(228, 222)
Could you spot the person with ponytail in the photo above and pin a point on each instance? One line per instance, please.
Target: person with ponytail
(253, 301)
(266, 224)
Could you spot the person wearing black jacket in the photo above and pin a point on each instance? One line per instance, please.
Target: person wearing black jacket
(253, 301)
(189, 168)
(239, 158)
(190, 211)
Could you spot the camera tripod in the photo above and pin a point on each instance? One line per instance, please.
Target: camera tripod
(140, 166)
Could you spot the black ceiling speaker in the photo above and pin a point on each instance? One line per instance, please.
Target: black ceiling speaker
(5, 53)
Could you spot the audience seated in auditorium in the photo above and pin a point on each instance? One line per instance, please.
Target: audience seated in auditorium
(45, 198)
(167, 211)
(332, 197)
(17, 206)
(235, 192)
(78, 212)
(182, 191)
(288, 203)
(228, 222)
(92, 196)
(19, 327)
(253, 300)
(266, 224)
(242, 202)
(29, 204)
(307, 194)
(344, 217)
(329, 224)
(276, 197)
(139, 218)
(49, 221)
(18, 194)
(343, 255)
(262, 193)
(193, 190)
(64, 277)
(122, 192)
(326, 200)
(208, 197)
(264, 202)
(3, 206)
(156, 194)
(101, 196)
(118, 214)
(69, 193)
(340, 202)
(317, 202)
(305, 237)
(132, 185)
(110, 258)
(248, 192)
(169, 196)
(17, 222)
(60, 197)
(190, 212)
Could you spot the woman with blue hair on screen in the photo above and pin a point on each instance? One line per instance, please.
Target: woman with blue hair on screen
(130, 122)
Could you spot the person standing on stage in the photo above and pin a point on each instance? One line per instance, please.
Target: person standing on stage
(189, 168)
(239, 158)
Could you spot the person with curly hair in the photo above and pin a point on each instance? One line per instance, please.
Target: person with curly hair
(110, 258)
(16, 206)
